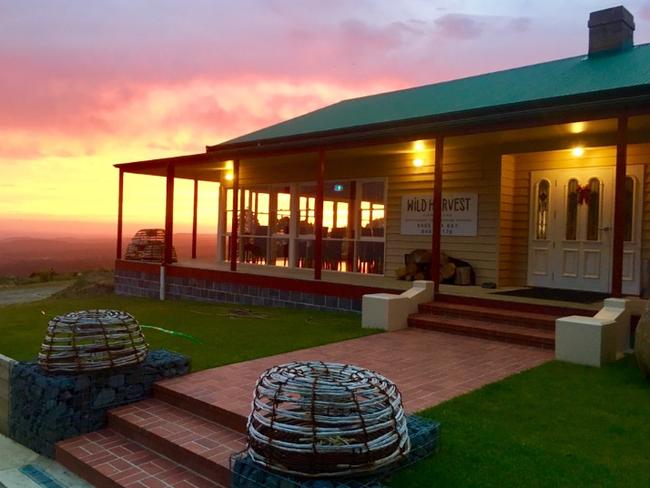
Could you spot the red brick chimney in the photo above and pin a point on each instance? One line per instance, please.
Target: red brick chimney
(611, 29)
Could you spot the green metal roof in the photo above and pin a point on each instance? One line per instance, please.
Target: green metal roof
(580, 75)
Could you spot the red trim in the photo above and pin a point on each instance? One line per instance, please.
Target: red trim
(318, 224)
(195, 217)
(120, 206)
(278, 283)
(169, 215)
(437, 214)
(619, 208)
(235, 215)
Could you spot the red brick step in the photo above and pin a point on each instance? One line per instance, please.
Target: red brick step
(199, 444)
(107, 459)
(484, 329)
(526, 319)
(514, 306)
(225, 415)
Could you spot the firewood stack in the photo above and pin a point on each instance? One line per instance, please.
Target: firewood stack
(417, 266)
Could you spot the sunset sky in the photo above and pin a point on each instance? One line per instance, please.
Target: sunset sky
(85, 84)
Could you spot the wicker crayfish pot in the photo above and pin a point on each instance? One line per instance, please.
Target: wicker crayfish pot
(320, 419)
(148, 245)
(92, 340)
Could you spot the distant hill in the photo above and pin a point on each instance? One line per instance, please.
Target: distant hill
(21, 256)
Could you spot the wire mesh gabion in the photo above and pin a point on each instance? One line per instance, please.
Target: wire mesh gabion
(92, 340)
(319, 419)
(148, 245)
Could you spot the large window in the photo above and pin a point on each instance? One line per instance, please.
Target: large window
(277, 225)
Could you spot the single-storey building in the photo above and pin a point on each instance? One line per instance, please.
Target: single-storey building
(535, 176)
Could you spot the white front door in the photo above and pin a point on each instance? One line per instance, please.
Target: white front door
(571, 229)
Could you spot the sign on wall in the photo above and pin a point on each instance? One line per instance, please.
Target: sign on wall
(459, 214)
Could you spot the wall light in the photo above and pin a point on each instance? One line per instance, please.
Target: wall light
(578, 151)
(577, 127)
(230, 176)
(417, 162)
(418, 146)
(230, 164)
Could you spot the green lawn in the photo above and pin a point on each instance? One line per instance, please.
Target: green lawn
(226, 336)
(554, 426)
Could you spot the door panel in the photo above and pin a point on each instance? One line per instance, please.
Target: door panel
(571, 229)
(577, 243)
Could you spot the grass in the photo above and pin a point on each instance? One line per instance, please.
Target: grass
(227, 336)
(553, 426)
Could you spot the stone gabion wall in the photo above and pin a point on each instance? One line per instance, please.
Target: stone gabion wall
(6, 364)
(141, 284)
(47, 408)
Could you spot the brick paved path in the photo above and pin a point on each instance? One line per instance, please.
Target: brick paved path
(428, 367)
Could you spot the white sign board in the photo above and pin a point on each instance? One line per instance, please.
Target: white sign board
(459, 214)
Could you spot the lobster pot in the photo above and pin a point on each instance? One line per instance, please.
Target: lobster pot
(320, 419)
(92, 340)
(148, 245)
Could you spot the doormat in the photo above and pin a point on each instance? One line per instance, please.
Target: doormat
(576, 296)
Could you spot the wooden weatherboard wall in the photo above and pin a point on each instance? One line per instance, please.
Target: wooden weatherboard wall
(465, 170)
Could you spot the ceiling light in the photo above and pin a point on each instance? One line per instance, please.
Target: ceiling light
(577, 127)
(418, 146)
(578, 151)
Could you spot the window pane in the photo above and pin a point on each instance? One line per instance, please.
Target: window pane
(593, 213)
(279, 252)
(571, 210)
(629, 207)
(370, 257)
(307, 208)
(305, 253)
(255, 213)
(543, 190)
(280, 211)
(254, 249)
(372, 209)
(338, 254)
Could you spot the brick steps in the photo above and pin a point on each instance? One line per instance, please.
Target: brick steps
(152, 442)
(514, 322)
(197, 443)
(210, 411)
(512, 306)
(527, 319)
(515, 334)
(107, 459)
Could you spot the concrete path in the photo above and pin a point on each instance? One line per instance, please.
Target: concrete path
(22, 468)
(31, 293)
